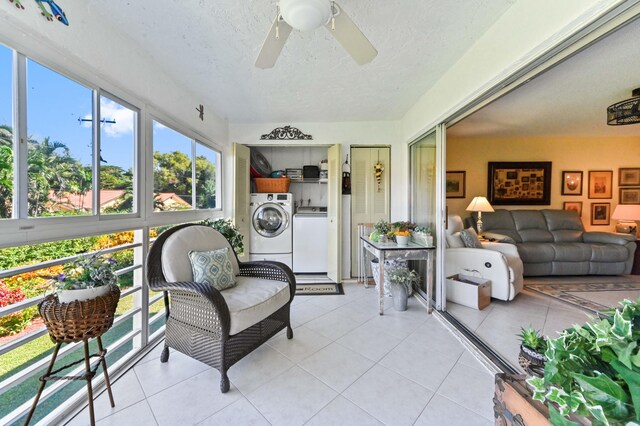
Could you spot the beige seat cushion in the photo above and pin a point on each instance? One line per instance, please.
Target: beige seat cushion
(254, 299)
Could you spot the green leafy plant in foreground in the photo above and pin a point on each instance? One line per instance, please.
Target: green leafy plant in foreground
(402, 276)
(229, 230)
(593, 370)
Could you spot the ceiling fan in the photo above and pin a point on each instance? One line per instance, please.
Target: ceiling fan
(308, 15)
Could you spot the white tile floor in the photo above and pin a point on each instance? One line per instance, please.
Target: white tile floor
(499, 323)
(346, 365)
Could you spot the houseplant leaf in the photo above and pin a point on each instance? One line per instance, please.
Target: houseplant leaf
(559, 420)
(632, 379)
(603, 391)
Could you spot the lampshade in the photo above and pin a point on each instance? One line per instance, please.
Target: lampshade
(625, 112)
(479, 204)
(626, 212)
(305, 15)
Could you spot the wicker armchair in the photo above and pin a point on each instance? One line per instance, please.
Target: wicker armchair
(216, 327)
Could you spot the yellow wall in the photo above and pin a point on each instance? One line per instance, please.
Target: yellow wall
(566, 153)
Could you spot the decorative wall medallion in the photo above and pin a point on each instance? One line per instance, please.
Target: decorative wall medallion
(286, 133)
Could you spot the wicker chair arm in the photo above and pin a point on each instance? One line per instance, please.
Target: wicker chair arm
(203, 290)
(270, 270)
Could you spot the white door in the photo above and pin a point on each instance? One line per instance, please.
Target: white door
(242, 159)
(334, 213)
(369, 201)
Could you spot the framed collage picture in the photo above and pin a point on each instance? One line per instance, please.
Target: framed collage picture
(519, 183)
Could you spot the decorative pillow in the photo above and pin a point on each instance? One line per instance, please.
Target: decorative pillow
(470, 238)
(212, 267)
(454, 240)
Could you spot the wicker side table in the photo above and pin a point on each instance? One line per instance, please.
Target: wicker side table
(78, 322)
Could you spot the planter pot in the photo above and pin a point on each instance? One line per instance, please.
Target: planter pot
(68, 296)
(531, 361)
(403, 240)
(400, 297)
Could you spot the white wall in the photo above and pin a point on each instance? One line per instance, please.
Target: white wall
(523, 32)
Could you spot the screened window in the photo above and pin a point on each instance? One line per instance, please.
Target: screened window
(172, 169)
(118, 134)
(60, 144)
(6, 133)
(207, 161)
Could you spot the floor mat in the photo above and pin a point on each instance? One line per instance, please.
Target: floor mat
(319, 289)
(594, 294)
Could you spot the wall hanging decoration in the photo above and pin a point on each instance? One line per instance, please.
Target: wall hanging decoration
(625, 112)
(456, 184)
(56, 11)
(286, 133)
(378, 169)
(571, 183)
(600, 214)
(200, 110)
(346, 177)
(600, 184)
(519, 183)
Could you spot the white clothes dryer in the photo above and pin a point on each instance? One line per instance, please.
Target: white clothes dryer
(271, 235)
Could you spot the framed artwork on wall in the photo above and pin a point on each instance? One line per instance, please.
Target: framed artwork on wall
(456, 182)
(629, 195)
(629, 176)
(576, 206)
(571, 183)
(519, 183)
(600, 213)
(600, 184)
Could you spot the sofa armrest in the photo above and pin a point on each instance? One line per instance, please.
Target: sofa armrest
(607, 238)
(504, 248)
(490, 264)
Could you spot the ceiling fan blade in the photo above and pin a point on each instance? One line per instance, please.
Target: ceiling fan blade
(273, 46)
(351, 38)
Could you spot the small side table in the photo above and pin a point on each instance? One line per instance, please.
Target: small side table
(635, 270)
(78, 321)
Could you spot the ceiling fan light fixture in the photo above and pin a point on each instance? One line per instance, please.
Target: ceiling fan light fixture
(625, 112)
(306, 15)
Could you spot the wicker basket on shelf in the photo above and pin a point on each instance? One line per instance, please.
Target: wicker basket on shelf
(272, 185)
(79, 320)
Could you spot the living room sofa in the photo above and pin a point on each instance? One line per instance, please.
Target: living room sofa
(554, 242)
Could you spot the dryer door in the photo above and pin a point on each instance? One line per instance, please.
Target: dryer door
(270, 220)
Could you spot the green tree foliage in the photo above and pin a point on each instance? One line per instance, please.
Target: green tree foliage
(6, 170)
(114, 177)
(205, 183)
(172, 173)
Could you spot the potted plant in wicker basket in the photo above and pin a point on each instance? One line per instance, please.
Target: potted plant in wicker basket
(532, 348)
(87, 277)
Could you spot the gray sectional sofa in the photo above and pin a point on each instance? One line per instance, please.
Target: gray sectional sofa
(554, 242)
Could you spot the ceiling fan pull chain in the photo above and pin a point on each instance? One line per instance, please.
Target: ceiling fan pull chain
(333, 15)
(278, 22)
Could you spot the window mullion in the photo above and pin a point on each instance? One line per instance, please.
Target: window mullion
(95, 163)
(194, 203)
(20, 138)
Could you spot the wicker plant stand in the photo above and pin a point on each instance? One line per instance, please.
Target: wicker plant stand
(78, 322)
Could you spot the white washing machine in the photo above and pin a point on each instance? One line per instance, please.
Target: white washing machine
(271, 236)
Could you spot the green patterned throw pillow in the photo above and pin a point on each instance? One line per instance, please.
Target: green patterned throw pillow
(212, 267)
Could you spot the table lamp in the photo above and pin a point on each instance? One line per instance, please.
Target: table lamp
(627, 215)
(479, 205)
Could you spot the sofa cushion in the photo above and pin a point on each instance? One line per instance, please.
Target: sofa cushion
(254, 299)
(536, 252)
(213, 267)
(176, 265)
(572, 252)
(500, 222)
(562, 219)
(454, 240)
(531, 226)
(470, 238)
(608, 253)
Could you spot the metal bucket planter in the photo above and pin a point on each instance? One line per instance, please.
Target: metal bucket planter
(400, 297)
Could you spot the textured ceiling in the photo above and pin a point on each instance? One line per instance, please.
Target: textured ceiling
(570, 99)
(210, 47)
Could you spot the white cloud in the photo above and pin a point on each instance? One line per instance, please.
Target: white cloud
(123, 117)
(158, 126)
